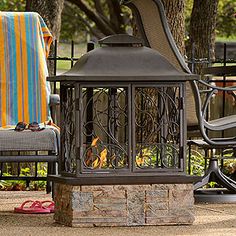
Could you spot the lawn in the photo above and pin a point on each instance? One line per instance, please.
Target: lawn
(225, 39)
(64, 50)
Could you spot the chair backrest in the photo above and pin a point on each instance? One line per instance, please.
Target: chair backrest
(24, 46)
(154, 30)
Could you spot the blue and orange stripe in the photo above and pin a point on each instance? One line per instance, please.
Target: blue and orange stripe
(24, 46)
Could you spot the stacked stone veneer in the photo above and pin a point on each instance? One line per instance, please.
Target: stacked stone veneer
(124, 205)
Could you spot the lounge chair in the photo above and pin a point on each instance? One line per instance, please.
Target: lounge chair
(25, 95)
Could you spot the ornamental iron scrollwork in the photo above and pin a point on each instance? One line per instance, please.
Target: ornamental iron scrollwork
(105, 128)
(106, 125)
(68, 129)
(157, 125)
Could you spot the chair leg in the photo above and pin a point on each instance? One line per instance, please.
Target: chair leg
(27, 183)
(52, 169)
(48, 187)
(205, 180)
(49, 184)
(225, 181)
(214, 173)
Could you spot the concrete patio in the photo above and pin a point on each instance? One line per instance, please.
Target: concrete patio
(211, 219)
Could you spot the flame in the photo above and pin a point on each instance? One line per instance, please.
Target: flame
(103, 157)
(90, 158)
(142, 156)
(111, 159)
(99, 161)
(94, 142)
(140, 161)
(89, 155)
(96, 163)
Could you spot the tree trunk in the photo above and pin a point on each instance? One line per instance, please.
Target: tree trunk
(176, 20)
(51, 13)
(202, 30)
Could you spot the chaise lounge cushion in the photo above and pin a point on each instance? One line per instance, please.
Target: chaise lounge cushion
(45, 140)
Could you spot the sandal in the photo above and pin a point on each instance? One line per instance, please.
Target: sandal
(20, 126)
(34, 208)
(34, 126)
(50, 206)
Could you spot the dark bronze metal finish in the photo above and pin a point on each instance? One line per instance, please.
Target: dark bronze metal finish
(125, 179)
(123, 62)
(123, 117)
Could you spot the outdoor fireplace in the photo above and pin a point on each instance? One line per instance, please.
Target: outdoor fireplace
(123, 139)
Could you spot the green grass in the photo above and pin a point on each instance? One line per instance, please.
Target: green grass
(221, 64)
(64, 50)
(225, 39)
(63, 65)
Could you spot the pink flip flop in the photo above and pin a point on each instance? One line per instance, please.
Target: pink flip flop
(50, 205)
(34, 208)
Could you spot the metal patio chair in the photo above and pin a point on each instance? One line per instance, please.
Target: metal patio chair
(155, 33)
(215, 145)
(153, 28)
(25, 96)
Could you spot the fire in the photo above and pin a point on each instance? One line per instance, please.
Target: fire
(95, 163)
(143, 155)
(99, 161)
(140, 161)
(103, 157)
(89, 154)
(94, 142)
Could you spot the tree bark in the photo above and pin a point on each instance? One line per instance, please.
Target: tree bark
(175, 16)
(115, 15)
(51, 13)
(202, 29)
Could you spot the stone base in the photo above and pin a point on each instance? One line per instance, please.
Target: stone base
(124, 205)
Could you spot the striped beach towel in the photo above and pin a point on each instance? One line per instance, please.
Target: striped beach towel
(24, 46)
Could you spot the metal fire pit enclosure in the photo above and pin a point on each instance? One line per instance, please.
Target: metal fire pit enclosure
(123, 58)
(123, 117)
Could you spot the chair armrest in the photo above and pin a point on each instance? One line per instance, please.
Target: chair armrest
(217, 125)
(221, 124)
(54, 100)
(230, 88)
(210, 90)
